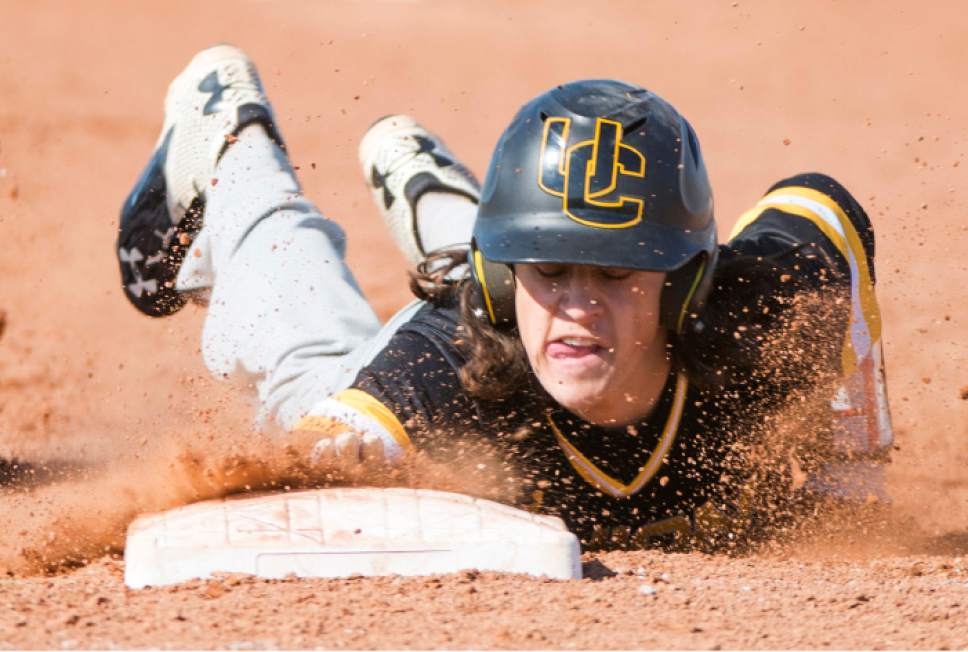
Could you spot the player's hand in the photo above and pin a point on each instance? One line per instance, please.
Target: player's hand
(348, 451)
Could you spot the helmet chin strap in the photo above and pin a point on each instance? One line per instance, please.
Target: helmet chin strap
(495, 288)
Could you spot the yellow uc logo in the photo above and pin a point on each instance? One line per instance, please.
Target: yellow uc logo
(600, 181)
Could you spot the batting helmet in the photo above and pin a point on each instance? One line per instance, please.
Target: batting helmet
(597, 172)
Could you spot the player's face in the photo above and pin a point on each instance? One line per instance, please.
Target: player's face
(593, 337)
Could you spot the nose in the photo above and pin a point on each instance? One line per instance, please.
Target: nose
(580, 299)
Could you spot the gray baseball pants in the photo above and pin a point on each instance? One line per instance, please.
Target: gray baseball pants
(285, 314)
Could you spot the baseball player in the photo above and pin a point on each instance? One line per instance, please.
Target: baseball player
(576, 315)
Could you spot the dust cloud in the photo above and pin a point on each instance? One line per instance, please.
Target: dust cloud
(65, 514)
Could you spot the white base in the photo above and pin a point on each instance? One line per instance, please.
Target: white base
(341, 532)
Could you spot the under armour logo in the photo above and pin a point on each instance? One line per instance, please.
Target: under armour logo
(427, 146)
(380, 181)
(140, 286)
(424, 146)
(600, 181)
(212, 85)
(131, 256)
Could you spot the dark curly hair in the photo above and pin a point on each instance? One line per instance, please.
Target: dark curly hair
(497, 365)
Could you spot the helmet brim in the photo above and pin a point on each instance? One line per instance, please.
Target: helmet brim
(539, 238)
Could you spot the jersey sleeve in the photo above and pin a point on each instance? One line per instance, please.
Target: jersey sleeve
(806, 238)
(403, 396)
(834, 243)
(816, 212)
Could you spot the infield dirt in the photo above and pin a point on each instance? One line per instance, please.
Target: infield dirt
(870, 93)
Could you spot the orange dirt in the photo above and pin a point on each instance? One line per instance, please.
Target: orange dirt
(867, 92)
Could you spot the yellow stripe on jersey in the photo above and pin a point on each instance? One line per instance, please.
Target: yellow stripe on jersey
(827, 215)
(606, 483)
(745, 220)
(366, 405)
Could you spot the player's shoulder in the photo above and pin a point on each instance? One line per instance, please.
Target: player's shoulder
(804, 208)
(436, 322)
(426, 341)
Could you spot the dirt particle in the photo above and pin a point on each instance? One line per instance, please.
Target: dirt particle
(963, 393)
(214, 181)
(231, 138)
(213, 591)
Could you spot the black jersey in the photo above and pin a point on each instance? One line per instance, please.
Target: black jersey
(679, 465)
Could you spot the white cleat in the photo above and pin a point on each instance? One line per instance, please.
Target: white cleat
(207, 105)
(217, 94)
(401, 161)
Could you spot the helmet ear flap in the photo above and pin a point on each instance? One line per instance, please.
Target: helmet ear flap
(686, 290)
(494, 288)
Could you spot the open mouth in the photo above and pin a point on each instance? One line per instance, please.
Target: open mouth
(565, 348)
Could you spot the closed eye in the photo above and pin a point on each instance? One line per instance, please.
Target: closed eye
(550, 270)
(615, 273)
